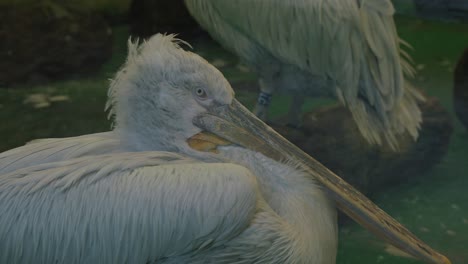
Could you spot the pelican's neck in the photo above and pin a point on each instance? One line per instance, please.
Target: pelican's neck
(296, 198)
(146, 138)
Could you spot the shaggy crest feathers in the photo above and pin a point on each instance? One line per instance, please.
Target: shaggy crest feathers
(152, 98)
(157, 44)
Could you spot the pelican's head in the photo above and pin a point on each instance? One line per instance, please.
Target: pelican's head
(160, 90)
(166, 98)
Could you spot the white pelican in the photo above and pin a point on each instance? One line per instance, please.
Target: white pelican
(188, 175)
(346, 49)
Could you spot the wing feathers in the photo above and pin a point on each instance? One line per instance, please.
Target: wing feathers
(122, 208)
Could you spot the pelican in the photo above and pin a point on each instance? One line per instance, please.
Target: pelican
(187, 175)
(345, 49)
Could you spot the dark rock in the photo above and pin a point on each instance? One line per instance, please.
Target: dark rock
(431, 4)
(331, 136)
(445, 9)
(40, 42)
(460, 89)
(148, 17)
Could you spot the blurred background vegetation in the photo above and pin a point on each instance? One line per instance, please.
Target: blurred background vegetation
(110, 7)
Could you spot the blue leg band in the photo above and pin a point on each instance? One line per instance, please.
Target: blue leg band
(264, 99)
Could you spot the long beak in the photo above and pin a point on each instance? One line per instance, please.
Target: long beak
(234, 123)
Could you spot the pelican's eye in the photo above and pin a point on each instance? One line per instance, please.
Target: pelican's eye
(201, 93)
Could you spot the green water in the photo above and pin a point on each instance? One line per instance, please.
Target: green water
(434, 206)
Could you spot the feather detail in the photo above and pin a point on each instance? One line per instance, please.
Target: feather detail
(57, 149)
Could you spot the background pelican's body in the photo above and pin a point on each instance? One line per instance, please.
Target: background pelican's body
(116, 197)
(347, 49)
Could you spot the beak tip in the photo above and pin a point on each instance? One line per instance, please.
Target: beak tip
(445, 260)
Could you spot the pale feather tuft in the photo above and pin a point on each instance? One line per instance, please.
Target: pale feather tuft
(158, 43)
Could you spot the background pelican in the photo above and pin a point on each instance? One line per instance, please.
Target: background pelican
(347, 49)
(188, 175)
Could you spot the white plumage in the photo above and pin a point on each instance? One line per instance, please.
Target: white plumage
(188, 175)
(101, 198)
(346, 49)
(127, 208)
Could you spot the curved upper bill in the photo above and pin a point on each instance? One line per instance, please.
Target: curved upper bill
(233, 123)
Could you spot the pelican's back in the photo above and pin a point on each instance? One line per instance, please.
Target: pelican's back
(58, 149)
(139, 207)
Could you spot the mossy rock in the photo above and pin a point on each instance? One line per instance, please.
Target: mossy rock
(331, 136)
(45, 41)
